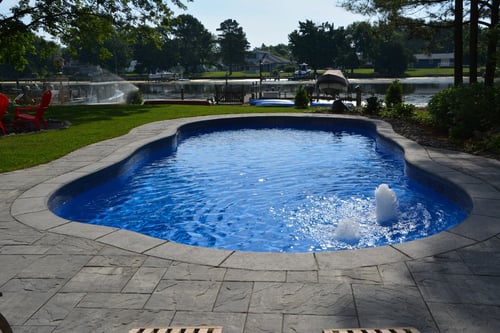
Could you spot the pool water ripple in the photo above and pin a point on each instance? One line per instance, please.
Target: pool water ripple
(269, 190)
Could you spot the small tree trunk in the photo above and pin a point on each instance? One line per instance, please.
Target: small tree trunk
(474, 31)
(458, 32)
(491, 62)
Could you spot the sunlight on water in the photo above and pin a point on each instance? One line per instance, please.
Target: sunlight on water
(334, 223)
(268, 190)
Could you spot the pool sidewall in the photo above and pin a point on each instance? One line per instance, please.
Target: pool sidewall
(166, 134)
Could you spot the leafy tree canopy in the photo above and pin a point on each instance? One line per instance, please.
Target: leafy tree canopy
(74, 20)
(192, 41)
(475, 13)
(314, 44)
(233, 43)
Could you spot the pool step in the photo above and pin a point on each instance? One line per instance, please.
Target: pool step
(372, 330)
(199, 329)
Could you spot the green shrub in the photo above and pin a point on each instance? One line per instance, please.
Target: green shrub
(135, 97)
(441, 107)
(492, 144)
(401, 111)
(466, 110)
(373, 105)
(301, 98)
(394, 94)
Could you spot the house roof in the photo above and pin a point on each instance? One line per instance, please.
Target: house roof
(267, 58)
(435, 56)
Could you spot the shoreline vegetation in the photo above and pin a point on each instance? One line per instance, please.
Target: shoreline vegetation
(355, 73)
(358, 73)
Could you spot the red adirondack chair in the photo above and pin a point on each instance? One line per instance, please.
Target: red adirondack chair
(4, 324)
(37, 118)
(4, 103)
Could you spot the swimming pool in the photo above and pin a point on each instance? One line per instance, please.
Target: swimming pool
(215, 201)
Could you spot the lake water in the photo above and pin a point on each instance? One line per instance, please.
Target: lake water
(417, 91)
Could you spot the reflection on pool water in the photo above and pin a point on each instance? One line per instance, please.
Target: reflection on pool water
(268, 190)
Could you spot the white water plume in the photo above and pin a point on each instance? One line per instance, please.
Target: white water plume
(347, 230)
(386, 205)
(102, 88)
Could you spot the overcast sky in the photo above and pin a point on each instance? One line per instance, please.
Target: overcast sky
(268, 21)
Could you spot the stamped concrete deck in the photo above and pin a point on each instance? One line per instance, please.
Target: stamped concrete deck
(62, 276)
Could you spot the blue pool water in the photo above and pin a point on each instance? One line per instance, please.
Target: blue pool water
(267, 190)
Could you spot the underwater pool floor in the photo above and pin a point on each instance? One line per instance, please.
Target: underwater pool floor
(62, 276)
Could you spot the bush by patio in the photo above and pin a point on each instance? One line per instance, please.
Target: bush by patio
(302, 98)
(466, 111)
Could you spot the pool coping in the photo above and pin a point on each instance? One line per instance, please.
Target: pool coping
(31, 207)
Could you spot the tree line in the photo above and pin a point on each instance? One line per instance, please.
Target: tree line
(112, 33)
(476, 21)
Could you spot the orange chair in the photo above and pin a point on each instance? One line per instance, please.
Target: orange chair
(23, 113)
(4, 103)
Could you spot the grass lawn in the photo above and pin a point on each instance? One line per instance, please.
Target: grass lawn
(411, 72)
(415, 72)
(91, 124)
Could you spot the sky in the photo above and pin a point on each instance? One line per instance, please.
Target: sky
(263, 21)
(268, 21)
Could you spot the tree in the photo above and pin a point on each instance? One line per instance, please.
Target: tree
(121, 52)
(35, 64)
(481, 12)
(233, 43)
(152, 53)
(323, 46)
(15, 43)
(362, 37)
(473, 40)
(391, 60)
(301, 98)
(73, 19)
(493, 38)
(390, 55)
(313, 44)
(345, 53)
(458, 42)
(193, 43)
(393, 11)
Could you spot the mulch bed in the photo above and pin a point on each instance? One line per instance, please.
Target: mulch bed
(20, 127)
(424, 135)
(430, 136)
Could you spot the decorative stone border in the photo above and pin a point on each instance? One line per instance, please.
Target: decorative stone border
(31, 208)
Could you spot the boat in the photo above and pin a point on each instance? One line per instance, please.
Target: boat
(161, 76)
(321, 103)
(332, 82)
(303, 73)
(272, 102)
(269, 102)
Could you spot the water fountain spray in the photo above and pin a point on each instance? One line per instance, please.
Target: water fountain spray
(386, 204)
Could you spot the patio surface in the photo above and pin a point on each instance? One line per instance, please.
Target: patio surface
(62, 276)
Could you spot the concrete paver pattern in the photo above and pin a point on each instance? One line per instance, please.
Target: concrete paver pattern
(60, 276)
